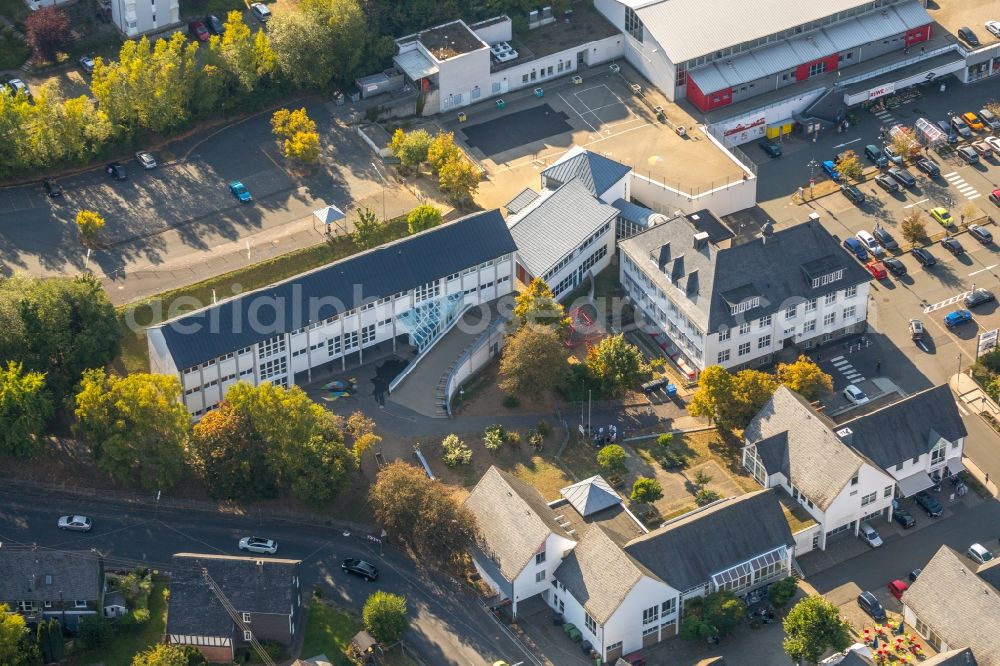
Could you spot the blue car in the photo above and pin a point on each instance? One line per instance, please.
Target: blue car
(855, 247)
(240, 191)
(831, 169)
(957, 317)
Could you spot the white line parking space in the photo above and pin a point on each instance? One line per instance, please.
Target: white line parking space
(967, 191)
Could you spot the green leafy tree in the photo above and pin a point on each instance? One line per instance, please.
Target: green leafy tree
(136, 426)
(805, 377)
(94, 632)
(422, 218)
(538, 305)
(301, 45)
(533, 361)
(410, 148)
(421, 513)
(325, 468)
(615, 364)
(782, 591)
(701, 479)
(169, 655)
(25, 407)
(59, 326)
(812, 627)
(367, 228)
(714, 615)
(442, 150)
(455, 451)
(384, 616)
(646, 490)
(459, 179)
(16, 648)
(753, 389)
(362, 433)
(611, 458)
(705, 496)
(231, 456)
(297, 133)
(89, 224)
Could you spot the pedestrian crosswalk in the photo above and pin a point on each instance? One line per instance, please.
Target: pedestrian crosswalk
(845, 368)
(886, 118)
(967, 191)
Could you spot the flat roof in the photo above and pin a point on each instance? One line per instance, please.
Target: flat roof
(954, 14)
(928, 65)
(450, 40)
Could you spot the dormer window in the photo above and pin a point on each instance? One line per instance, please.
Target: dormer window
(743, 306)
(828, 278)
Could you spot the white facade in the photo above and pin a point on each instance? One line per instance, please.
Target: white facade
(535, 73)
(537, 576)
(135, 17)
(592, 256)
(753, 124)
(646, 55)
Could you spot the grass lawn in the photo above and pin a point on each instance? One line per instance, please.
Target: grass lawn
(329, 631)
(13, 51)
(157, 308)
(125, 646)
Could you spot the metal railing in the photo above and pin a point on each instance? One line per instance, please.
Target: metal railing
(451, 384)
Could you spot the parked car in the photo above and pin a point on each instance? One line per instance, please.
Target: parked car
(855, 395)
(52, 188)
(924, 256)
(929, 167)
(116, 171)
(770, 147)
(942, 216)
(886, 183)
(897, 587)
(877, 269)
(261, 12)
(949, 130)
(995, 197)
(969, 154)
(15, 86)
(978, 297)
(981, 234)
(904, 518)
(870, 243)
(214, 25)
(892, 156)
(359, 568)
(145, 159)
(903, 177)
(88, 64)
(198, 31)
(972, 120)
(853, 193)
(967, 36)
(871, 605)
(953, 246)
(240, 191)
(75, 523)
(984, 149)
(916, 329)
(993, 142)
(978, 553)
(830, 169)
(885, 239)
(993, 27)
(957, 318)
(961, 127)
(929, 504)
(894, 266)
(874, 153)
(986, 115)
(914, 575)
(259, 545)
(855, 247)
(869, 535)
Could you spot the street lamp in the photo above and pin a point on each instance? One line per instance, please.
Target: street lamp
(812, 171)
(383, 188)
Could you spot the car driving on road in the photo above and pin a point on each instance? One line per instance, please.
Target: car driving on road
(75, 523)
(359, 568)
(916, 328)
(240, 191)
(259, 545)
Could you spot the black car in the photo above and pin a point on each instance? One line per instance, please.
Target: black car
(953, 246)
(116, 171)
(967, 36)
(853, 193)
(978, 297)
(903, 177)
(214, 25)
(981, 234)
(924, 256)
(871, 605)
(914, 574)
(359, 568)
(885, 239)
(929, 504)
(961, 127)
(904, 518)
(769, 147)
(52, 188)
(887, 183)
(894, 266)
(929, 167)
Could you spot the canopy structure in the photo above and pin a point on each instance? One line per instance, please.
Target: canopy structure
(912, 485)
(333, 218)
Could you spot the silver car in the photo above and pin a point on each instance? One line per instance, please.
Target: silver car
(75, 523)
(259, 545)
(146, 159)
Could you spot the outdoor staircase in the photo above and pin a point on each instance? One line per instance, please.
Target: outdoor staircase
(829, 107)
(441, 394)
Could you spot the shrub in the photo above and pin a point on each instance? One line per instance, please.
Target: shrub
(511, 401)
(140, 615)
(493, 438)
(93, 632)
(705, 496)
(612, 458)
(455, 451)
(665, 440)
(781, 592)
(535, 440)
(646, 490)
(543, 428)
(514, 437)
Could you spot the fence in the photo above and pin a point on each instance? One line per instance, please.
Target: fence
(476, 355)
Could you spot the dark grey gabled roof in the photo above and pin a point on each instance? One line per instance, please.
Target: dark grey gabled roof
(557, 225)
(687, 551)
(957, 605)
(252, 585)
(908, 428)
(382, 271)
(771, 268)
(596, 172)
(960, 657)
(521, 201)
(75, 575)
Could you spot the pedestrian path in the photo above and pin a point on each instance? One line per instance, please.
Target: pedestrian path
(968, 191)
(845, 368)
(885, 117)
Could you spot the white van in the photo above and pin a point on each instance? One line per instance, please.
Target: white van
(870, 243)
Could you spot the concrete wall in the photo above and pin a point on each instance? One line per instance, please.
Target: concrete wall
(804, 539)
(484, 350)
(752, 125)
(464, 79)
(724, 200)
(645, 56)
(494, 33)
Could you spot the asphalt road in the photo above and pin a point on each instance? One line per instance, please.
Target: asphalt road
(449, 625)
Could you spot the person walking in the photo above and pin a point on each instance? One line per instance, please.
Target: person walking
(878, 365)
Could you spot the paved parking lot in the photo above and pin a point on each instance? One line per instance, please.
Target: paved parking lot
(954, 14)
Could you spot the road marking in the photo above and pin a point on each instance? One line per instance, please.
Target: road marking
(841, 145)
(946, 302)
(983, 270)
(974, 196)
(915, 203)
(836, 358)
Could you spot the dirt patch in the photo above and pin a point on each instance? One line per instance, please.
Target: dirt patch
(483, 397)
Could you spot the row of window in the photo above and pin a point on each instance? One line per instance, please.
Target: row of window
(562, 65)
(29, 606)
(792, 312)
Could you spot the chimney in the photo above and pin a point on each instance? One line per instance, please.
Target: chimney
(700, 240)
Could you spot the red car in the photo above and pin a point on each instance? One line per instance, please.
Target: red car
(897, 587)
(198, 31)
(876, 268)
(995, 197)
